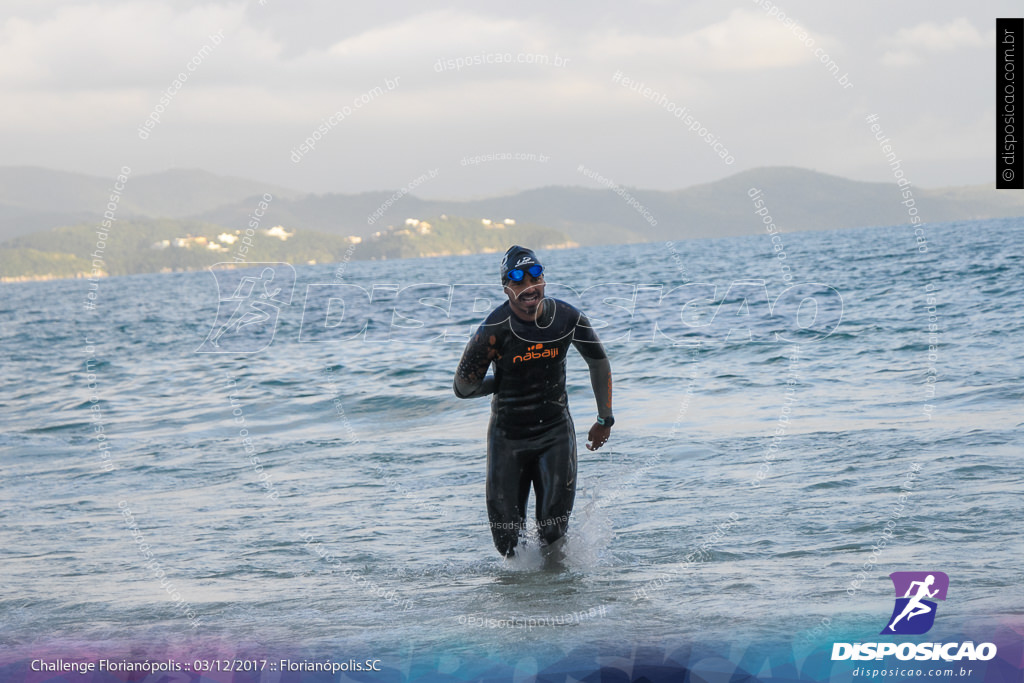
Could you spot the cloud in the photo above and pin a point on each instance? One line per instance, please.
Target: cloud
(108, 45)
(81, 75)
(443, 33)
(911, 46)
(745, 40)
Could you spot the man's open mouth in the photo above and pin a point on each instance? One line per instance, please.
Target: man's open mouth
(530, 297)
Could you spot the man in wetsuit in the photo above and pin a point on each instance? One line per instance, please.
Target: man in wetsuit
(531, 438)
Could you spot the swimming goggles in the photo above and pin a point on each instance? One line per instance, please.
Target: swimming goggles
(517, 274)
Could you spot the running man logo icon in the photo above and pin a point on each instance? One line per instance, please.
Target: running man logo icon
(248, 306)
(914, 612)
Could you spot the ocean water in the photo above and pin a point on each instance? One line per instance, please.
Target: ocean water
(363, 531)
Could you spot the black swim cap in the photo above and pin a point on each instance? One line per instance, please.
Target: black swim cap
(517, 257)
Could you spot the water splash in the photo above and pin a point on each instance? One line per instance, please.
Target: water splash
(588, 540)
(586, 543)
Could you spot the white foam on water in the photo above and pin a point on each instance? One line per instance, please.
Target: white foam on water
(586, 542)
(529, 556)
(590, 534)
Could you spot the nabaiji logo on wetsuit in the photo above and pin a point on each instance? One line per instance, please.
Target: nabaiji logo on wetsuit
(914, 614)
(534, 352)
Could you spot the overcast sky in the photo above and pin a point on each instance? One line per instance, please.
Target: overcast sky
(78, 79)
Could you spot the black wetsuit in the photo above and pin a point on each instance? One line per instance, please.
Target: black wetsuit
(531, 438)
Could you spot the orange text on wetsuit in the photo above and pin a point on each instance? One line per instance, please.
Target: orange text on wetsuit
(533, 353)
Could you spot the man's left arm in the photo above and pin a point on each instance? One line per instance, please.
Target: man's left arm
(586, 341)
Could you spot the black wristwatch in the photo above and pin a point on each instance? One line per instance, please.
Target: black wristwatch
(606, 421)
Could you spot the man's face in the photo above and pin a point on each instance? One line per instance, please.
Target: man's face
(524, 297)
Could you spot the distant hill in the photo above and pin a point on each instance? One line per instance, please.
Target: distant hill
(587, 216)
(18, 220)
(166, 245)
(34, 199)
(42, 189)
(183, 193)
(798, 199)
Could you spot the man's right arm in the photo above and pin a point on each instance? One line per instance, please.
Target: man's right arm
(471, 378)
